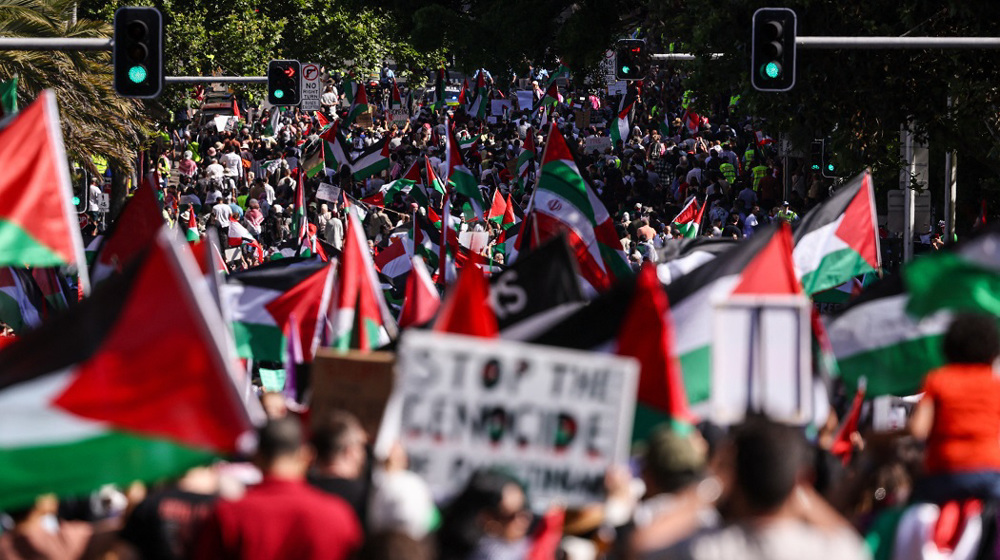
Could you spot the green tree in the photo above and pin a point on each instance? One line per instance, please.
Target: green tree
(95, 121)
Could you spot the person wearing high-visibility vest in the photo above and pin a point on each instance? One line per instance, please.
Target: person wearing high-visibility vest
(787, 213)
(728, 171)
(759, 172)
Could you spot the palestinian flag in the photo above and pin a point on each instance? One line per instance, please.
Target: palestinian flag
(21, 301)
(359, 105)
(137, 226)
(38, 223)
(460, 179)
(421, 300)
(372, 161)
(838, 239)
(434, 184)
(349, 87)
(498, 209)
(619, 125)
(394, 260)
(481, 101)
(527, 155)
(510, 216)
(191, 233)
(133, 383)
(463, 94)
(239, 234)
(466, 309)
(262, 300)
(359, 314)
(395, 100)
(688, 221)
(892, 332)
(56, 292)
(678, 257)
(300, 220)
(564, 202)
(315, 162)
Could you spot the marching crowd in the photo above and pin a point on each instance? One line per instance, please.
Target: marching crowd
(760, 490)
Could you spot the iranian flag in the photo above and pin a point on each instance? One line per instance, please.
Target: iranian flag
(838, 239)
(191, 232)
(498, 209)
(395, 100)
(480, 102)
(263, 299)
(372, 161)
(688, 221)
(136, 227)
(133, 383)
(38, 223)
(359, 315)
(359, 105)
(619, 125)
(564, 202)
(892, 332)
(460, 179)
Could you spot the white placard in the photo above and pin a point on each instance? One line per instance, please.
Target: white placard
(104, 203)
(398, 117)
(309, 100)
(220, 122)
(525, 99)
(474, 241)
(328, 192)
(556, 418)
(761, 357)
(597, 144)
(497, 107)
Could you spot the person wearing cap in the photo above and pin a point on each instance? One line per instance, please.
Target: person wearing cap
(787, 214)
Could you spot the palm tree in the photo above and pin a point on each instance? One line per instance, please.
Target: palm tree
(95, 121)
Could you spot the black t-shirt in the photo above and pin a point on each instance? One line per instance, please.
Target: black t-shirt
(353, 491)
(164, 525)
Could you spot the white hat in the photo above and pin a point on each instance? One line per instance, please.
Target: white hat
(401, 502)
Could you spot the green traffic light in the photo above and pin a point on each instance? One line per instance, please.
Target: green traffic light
(279, 93)
(772, 70)
(829, 167)
(625, 69)
(815, 167)
(137, 74)
(76, 201)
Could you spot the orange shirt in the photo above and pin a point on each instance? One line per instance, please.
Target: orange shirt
(966, 432)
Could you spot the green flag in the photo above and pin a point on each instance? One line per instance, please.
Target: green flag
(8, 96)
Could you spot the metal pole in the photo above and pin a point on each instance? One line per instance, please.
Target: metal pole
(905, 178)
(950, 189)
(54, 44)
(819, 42)
(215, 79)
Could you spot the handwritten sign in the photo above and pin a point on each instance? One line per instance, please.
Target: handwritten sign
(328, 192)
(556, 418)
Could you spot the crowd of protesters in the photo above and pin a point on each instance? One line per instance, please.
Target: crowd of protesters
(760, 490)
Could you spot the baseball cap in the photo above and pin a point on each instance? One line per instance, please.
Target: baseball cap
(671, 458)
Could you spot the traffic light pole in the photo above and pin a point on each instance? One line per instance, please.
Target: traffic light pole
(820, 42)
(215, 79)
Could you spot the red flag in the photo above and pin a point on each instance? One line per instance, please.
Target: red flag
(236, 109)
(498, 209)
(842, 446)
(772, 271)
(135, 229)
(421, 300)
(548, 534)
(647, 334)
(467, 308)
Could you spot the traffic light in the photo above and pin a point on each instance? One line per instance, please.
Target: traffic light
(773, 56)
(630, 59)
(283, 81)
(137, 55)
(821, 158)
(81, 190)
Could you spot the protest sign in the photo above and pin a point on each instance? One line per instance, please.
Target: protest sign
(474, 241)
(328, 192)
(357, 382)
(398, 117)
(597, 144)
(525, 100)
(498, 106)
(555, 418)
(364, 120)
(582, 118)
(761, 356)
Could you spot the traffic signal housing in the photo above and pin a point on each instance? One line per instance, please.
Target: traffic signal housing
(631, 60)
(137, 54)
(772, 66)
(283, 81)
(821, 158)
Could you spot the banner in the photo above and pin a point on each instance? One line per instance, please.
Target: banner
(541, 280)
(555, 418)
(597, 144)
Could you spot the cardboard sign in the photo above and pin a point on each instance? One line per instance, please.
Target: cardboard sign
(357, 382)
(364, 120)
(555, 418)
(582, 118)
(328, 192)
(398, 117)
(597, 144)
(597, 119)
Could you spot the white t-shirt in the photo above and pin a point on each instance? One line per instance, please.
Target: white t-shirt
(232, 163)
(222, 212)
